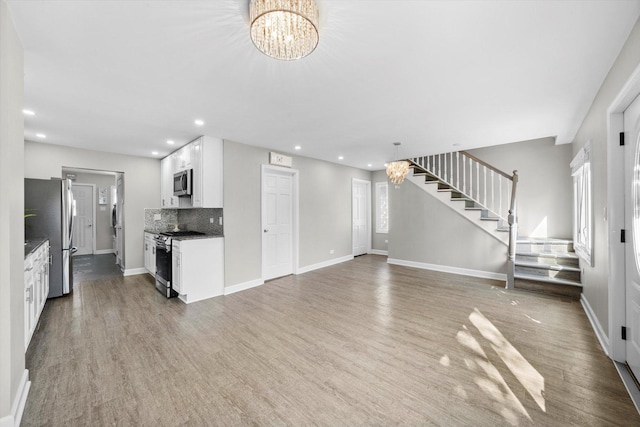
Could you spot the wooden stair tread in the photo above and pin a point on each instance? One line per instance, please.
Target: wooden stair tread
(543, 266)
(570, 255)
(536, 278)
(550, 241)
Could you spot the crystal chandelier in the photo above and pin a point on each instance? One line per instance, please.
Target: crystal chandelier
(284, 29)
(396, 171)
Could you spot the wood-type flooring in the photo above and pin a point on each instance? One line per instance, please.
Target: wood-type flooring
(358, 343)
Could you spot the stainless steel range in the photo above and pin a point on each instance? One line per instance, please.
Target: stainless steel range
(163, 260)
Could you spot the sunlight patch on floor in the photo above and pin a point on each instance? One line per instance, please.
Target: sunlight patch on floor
(528, 376)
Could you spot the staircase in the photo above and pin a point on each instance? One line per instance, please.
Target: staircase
(549, 266)
(487, 196)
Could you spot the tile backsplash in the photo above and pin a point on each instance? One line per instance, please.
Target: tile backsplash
(197, 219)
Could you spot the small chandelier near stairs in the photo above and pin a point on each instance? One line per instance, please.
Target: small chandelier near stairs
(397, 170)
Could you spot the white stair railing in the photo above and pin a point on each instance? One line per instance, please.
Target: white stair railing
(487, 186)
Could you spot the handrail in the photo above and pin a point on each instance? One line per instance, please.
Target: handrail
(485, 164)
(482, 183)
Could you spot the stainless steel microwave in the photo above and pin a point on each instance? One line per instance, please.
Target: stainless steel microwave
(182, 183)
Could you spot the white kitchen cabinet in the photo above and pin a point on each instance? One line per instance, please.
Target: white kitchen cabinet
(207, 161)
(150, 253)
(36, 288)
(167, 167)
(204, 156)
(198, 268)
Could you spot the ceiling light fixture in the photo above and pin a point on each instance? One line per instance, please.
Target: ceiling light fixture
(28, 112)
(170, 142)
(41, 135)
(155, 153)
(199, 122)
(397, 170)
(340, 158)
(284, 29)
(297, 147)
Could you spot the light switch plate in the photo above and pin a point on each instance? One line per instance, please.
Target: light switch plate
(220, 220)
(210, 220)
(157, 217)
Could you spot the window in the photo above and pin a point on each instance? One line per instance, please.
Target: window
(382, 207)
(582, 211)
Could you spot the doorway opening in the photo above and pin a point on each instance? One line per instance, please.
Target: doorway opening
(361, 216)
(98, 226)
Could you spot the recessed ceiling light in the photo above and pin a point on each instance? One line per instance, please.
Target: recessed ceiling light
(340, 158)
(41, 135)
(170, 142)
(199, 122)
(386, 164)
(369, 165)
(28, 112)
(155, 153)
(297, 147)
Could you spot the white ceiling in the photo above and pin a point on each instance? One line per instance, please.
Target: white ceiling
(127, 76)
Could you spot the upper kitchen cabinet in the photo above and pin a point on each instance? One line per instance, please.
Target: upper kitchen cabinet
(203, 157)
(168, 200)
(206, 158)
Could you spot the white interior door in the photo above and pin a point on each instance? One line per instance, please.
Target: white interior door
(83, 222)
(632, 223)
(277, 223)
(360, 208)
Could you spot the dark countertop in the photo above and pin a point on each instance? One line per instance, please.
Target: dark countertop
(31, 245)
(202, 236)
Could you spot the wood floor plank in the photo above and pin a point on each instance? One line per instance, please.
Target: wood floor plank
(358, 343)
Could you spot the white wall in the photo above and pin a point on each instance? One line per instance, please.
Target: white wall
(325, 210)
(544, 184)
(141, 180)
(595, 280)
(12, 364)
(425, 230)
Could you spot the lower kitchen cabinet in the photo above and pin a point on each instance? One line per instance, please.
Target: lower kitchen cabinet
(150, 253)
(36, 288)
(198, 268)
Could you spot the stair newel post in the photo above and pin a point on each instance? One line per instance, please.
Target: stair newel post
(513, 233)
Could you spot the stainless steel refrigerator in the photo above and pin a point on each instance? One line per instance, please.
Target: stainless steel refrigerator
(52, 203)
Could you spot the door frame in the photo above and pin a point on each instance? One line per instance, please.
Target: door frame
(355, 181)
(616, 347)
(93, 212)
(295, 214)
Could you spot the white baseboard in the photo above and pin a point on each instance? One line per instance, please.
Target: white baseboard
(379, 252)
(104, 252)
(595, 324)
(17, 408)
(134, 271)
(242, 286)
(448, 269)
(308, 268)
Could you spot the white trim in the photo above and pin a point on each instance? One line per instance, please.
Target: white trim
(595, 324)
(228, 290)
(629, 383)
(17, 408)
(296, 213)
(615, 215)
(355, 181)
(324, 264)
(134, 271)
(448, 269)
(379, 252)
(103, 251)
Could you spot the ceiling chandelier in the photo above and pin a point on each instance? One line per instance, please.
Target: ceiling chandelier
(284, 29)
(396, 171)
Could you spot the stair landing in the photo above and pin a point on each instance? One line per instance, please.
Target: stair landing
(548, 266)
